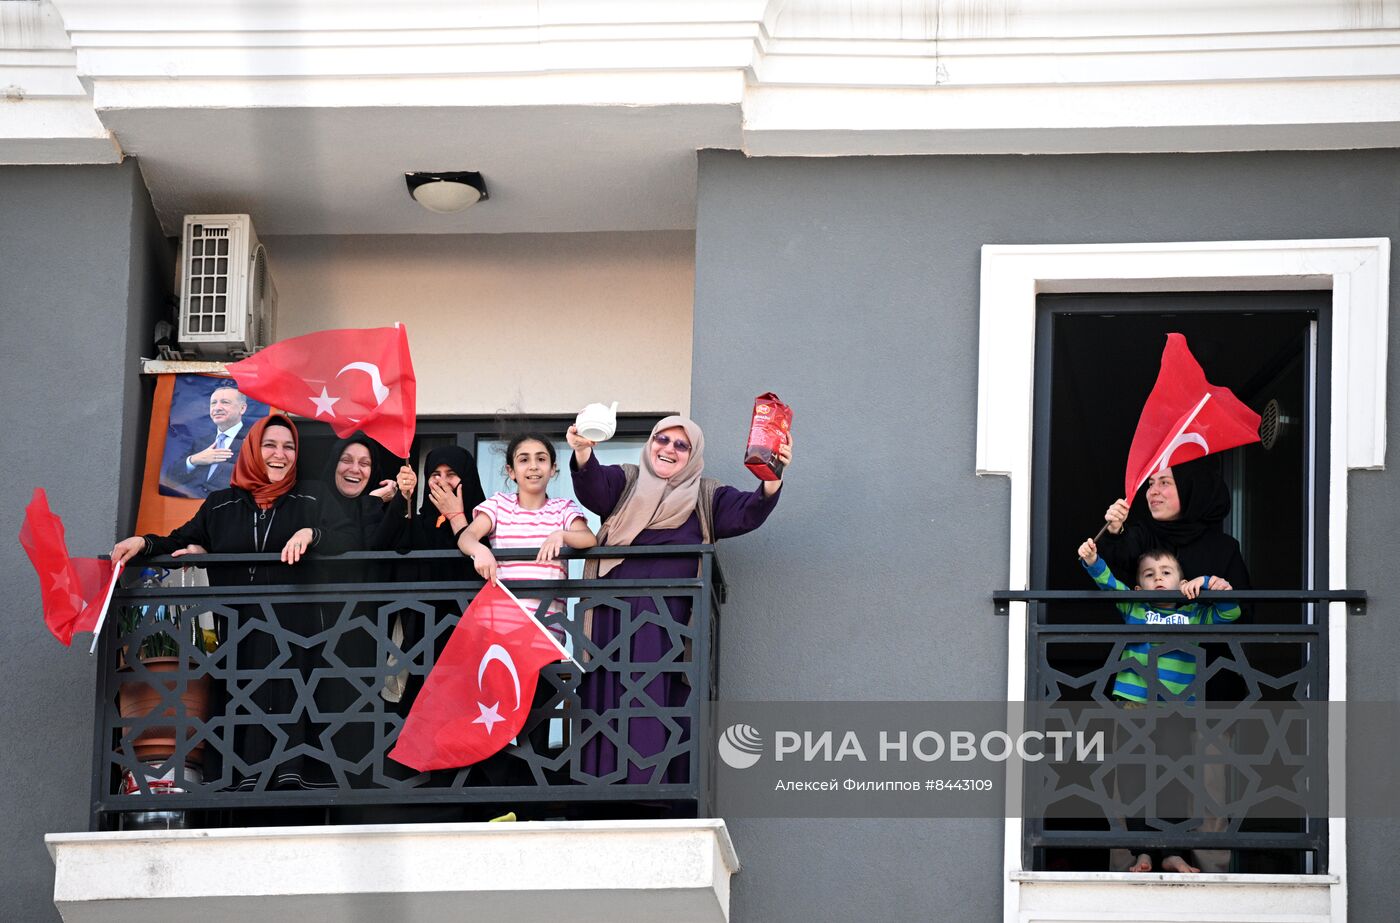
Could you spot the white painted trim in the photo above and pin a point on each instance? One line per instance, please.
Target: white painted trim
(513, 870)
(46, 116)
(1120, 897)
(823, 79)
(1358, 273)
(1150, 878)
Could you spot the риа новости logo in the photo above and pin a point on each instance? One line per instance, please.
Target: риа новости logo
(740, 746)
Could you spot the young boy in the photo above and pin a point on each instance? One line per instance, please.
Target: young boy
(1159, 569)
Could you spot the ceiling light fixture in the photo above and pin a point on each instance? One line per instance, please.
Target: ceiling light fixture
(446, 191)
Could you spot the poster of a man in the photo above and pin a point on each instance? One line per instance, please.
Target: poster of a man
(208, 419)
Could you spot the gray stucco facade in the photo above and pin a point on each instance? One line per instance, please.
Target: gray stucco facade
(850, 287)
(84, 272)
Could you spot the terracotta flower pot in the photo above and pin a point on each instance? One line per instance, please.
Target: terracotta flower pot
(137, 699)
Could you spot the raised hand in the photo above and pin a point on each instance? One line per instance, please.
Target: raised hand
(583, 448)
(407, 482)
(447, 500)
(784, 456)
(785, 450)
(1116, 516)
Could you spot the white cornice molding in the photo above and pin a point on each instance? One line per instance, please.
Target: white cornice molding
(814, 77)
(953, 19)
(844, 19)
(46, 116)
(163, 55)
(1130, 59)
(388, 18)
(1009, 90)
(804, 77)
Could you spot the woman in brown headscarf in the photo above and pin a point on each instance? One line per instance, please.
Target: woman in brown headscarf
(263, 511)
(662, 501)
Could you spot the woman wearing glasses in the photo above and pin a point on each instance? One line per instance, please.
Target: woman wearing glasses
(662, 501)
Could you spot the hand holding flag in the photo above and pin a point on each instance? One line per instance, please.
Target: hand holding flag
(356, 379)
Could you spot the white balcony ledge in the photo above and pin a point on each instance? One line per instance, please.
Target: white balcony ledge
(580, 871)
(1103, 897)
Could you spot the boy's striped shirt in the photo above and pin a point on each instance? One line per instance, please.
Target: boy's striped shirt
(1175, 669)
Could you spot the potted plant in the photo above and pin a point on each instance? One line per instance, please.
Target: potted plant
(159, 652)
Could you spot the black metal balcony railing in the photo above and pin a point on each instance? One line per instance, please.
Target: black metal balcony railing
(294, 689)
(1233, 765)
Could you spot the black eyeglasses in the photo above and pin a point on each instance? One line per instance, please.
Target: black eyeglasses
(662, 439)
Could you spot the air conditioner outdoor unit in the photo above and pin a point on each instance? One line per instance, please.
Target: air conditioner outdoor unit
(228, 303)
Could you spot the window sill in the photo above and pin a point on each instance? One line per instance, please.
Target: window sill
(1164, 897)
(1144, 878)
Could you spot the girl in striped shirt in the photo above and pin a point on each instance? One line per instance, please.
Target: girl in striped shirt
(527, 518)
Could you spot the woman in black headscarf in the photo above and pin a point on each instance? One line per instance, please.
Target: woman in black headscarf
(432, 530)
(453, 467)
(374, 509)
(374, 506)
(1180, 509)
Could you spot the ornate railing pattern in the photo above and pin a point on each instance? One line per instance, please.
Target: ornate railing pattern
(297, 713)
(1233, 766)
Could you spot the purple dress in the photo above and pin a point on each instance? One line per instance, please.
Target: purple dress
(599, 487)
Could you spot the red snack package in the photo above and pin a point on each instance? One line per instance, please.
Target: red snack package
(772, 419)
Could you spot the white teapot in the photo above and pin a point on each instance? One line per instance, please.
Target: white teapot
(597, 422)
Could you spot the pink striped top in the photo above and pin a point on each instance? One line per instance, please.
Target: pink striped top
(512, 526)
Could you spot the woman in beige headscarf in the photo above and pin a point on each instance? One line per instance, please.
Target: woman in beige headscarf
(662, 501)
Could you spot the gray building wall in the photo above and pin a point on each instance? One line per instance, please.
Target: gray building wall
(83, 272)
(849, 286)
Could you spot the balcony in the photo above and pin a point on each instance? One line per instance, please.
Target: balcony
(269, 714)
(1239, 751)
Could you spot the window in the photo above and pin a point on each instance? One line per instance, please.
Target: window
(485, 438)
(1350, 434)
(1096, 360)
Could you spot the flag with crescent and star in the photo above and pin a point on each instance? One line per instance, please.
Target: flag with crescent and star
(478, 695)
(353, 379)
(73, 589)
(1185, 417)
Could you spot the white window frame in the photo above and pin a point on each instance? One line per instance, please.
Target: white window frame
(1357, 271)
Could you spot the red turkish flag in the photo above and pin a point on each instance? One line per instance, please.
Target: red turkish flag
(355, 379)
(1185, 417)
(73, 589)
(478, 695)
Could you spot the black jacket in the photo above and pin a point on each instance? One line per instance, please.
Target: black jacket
(229, 522)
(1212, 553)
